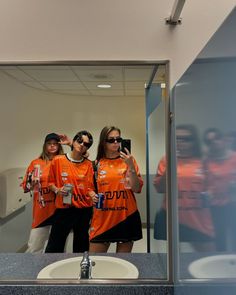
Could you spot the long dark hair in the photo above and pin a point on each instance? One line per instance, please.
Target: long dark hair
(101, 152)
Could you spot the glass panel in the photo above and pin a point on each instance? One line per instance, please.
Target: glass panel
(155, 108)
(206, 164)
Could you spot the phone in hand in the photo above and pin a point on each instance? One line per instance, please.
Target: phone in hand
(126, 143)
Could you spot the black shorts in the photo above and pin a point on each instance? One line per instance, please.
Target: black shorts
(186, 233)
(126, 231)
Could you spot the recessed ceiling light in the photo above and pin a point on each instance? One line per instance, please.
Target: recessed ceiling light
(104, 86)
(163, 85)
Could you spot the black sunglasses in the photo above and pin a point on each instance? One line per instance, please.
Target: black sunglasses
(114, 139)
(80, 141)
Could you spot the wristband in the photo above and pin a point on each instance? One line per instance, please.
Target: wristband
(56, 191)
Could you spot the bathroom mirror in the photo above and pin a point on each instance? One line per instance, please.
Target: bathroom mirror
(37, 99)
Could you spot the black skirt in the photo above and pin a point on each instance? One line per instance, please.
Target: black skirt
(126, 231)
(186, 233)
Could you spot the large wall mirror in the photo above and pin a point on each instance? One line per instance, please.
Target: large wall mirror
(37, 99)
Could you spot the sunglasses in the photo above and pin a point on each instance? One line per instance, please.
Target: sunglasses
(185, 138)
(80, 141)
(114, 139)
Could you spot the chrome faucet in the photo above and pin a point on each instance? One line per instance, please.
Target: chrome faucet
(86, 266)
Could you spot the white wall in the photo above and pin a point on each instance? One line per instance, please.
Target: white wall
(27, 115)
(107, 30)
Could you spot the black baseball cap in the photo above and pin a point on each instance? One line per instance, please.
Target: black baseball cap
(51, 136)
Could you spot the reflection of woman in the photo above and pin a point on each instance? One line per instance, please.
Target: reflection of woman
(74, 208)
(195, 224)
(43, 199)
(119, 220)
(220, 164)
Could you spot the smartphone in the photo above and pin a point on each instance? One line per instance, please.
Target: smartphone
(126, 143)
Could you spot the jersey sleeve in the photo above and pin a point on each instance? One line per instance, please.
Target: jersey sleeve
(139, 175)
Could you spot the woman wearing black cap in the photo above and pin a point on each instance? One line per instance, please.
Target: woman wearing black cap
(71, 179)
(35, 181)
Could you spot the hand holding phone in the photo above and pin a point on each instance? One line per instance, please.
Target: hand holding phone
(126, 143)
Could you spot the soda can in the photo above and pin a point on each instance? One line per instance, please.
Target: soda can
(68, 188)
(68, 198)
(99, 204)
(36, 173)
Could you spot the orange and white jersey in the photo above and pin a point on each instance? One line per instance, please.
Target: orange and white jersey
(221, 179)
(63, 171)
(191, 187)
(119, 202)
(40, 213)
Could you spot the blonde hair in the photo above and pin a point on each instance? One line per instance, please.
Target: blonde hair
(44, 155)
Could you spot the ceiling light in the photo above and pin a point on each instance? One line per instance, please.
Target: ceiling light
(104, 86)
(163, 85)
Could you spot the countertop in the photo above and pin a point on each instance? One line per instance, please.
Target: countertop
(18, 273)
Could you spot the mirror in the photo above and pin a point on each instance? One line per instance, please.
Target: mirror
(40, 99)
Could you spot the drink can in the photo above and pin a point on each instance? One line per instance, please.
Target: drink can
(36, 173)
(99, 204)
(68, 198)
(68, 188)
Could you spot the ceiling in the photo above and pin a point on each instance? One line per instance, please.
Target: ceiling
(83, 80)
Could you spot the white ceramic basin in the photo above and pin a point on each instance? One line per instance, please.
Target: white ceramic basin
(211, 267)
(105, 267)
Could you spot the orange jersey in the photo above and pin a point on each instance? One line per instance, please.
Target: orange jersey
(119, 203)
(221, 180)
(80, 174)
(191, 185)
(40, 213)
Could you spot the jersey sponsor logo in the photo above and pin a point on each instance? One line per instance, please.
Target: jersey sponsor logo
(64, 174)
(109, 195)
(102, 172)
(120, 208)
(104, 183)
(199, 172)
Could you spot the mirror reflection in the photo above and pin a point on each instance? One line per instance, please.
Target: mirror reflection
(45, 107)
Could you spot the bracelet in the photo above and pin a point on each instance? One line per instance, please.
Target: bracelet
(56, 191)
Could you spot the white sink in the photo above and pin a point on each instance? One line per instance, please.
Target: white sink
(211, 267)
(105, 267)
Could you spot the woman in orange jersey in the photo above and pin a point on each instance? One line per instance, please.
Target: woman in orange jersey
(71, 178)
(195, 223)
(220, 164)
(35, 180)
(119, 220)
